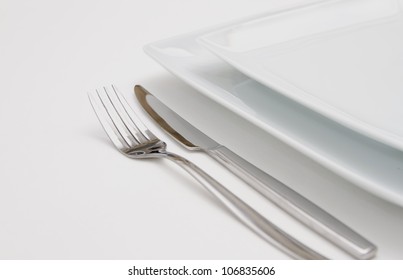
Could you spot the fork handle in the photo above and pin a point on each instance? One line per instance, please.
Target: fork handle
(246, 214)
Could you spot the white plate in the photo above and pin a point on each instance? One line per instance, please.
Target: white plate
(375, 167)
(343, 59)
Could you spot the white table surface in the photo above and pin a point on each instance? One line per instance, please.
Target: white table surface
(66, 193)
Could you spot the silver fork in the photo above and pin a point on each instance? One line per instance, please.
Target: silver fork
(133, 139)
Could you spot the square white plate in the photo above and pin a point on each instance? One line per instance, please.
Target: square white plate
(342, 59)
(372, 165)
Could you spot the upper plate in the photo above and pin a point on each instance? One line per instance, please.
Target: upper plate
(368, 163)
(343, 59)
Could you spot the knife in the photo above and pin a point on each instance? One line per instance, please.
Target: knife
(290, 201)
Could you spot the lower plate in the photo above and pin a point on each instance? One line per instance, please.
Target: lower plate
(375, 167)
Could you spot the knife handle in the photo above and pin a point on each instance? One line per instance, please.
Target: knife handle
(296, 205)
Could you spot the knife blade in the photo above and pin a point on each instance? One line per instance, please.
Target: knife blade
(287, 199)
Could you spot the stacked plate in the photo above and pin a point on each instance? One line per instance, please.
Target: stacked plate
(327, 79)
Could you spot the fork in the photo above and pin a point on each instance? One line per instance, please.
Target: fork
(133, 139)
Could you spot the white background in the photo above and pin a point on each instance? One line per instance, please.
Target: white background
(66, 193)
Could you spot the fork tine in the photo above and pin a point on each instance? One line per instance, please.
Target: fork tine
(131, 117)
(106, 121)
(130, 127)
(117, 117)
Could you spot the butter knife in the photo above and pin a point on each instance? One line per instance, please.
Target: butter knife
(290, 201)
